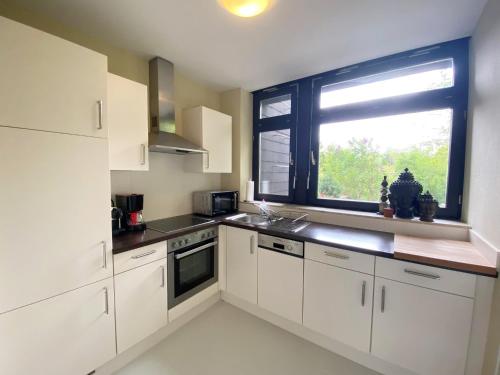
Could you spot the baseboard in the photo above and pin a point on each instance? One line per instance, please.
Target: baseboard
(362, 358)
(129, 355)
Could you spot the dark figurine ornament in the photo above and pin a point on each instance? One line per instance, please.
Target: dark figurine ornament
(404, 195)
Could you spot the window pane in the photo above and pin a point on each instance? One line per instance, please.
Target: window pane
(278, 106)
(418, 78)
(355, 155)
(274, 151)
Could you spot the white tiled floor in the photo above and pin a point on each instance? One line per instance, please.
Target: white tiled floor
(227, 341)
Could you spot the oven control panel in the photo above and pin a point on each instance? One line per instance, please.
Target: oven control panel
(177, 243)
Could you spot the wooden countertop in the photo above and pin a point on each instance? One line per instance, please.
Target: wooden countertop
(457, 255)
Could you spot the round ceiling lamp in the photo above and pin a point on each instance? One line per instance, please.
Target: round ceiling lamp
(245, 8)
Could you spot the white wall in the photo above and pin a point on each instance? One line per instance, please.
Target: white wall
(166, 186)
(482, 208)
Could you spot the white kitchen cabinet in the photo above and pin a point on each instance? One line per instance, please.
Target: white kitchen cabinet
(48, 83)
(338, 303)
(241, 263)
(73, 333)
(141, 303)
(55, 235)
(127, 107)
(280, 284)
(211, 130)
(420, 329)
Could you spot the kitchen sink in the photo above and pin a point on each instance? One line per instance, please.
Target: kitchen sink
(285, 225)
(250, 219)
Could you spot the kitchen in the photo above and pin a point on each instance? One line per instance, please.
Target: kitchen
(96, 98)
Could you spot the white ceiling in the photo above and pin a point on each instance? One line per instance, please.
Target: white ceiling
(295, 38)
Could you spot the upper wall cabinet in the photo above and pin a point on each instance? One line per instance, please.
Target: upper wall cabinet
(128, 124)
(211, 130)
(48, 83)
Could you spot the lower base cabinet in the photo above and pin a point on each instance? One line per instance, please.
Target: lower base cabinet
(73, 333)
(420, 329)
(141, 303)
(338, 303)
(280, 284)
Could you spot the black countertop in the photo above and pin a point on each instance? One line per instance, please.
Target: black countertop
(360, 240)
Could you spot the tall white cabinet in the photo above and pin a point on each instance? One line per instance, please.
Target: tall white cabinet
(56, 286)
(127, 108)
(212, 130)
(48, 83)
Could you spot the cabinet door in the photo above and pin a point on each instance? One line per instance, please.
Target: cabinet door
(280, 284)
(241, 268)
(338, 303)
(73, 333)
(55, 231)
(128, 124)
(49, 83)
(217, 139)
(141, 303)
(421, 329)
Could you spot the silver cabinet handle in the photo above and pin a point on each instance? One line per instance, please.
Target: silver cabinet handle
(99, 111)
(252, 244)
(106, 301)
(382, 305)
(363, 294)
(143, 154)
(208, 160)
(196, 250)
(104, 255)
(162, 268)
(143, 254)
(422, 274)
(336, 255)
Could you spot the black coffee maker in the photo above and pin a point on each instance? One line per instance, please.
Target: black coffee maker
(132, 206)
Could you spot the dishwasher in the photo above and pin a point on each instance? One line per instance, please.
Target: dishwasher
(280, 276)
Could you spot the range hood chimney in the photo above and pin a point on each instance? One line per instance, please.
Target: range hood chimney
(162, 137)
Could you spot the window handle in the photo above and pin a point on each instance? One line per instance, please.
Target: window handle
(313, 159)
(290, 159)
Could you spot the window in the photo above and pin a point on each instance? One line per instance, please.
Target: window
(346, 129)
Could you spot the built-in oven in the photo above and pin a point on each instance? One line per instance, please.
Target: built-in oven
(192, 264)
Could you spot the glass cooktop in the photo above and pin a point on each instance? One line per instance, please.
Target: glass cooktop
(177, 223)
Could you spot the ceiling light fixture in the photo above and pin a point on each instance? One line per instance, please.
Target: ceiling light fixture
(245, 8)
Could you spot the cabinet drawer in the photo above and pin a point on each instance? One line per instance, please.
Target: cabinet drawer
(137, 257)
(340, 257)
(426, 276)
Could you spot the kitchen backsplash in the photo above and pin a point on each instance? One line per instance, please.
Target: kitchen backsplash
(167, 188)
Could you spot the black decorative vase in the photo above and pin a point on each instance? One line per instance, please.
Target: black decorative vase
(404, 194)
(428, 207)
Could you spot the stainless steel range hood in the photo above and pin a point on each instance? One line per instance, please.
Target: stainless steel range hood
(162, 137)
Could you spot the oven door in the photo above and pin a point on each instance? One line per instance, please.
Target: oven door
(224, 203)
(191, 270)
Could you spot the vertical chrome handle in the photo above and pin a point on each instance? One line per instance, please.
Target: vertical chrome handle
(143, 154)
(382, 305)
(162, 268)
(106, 301)
(99, 111)
(363, 293)
(252, 244)
(290, 159)
(104, 255)
(208, 160)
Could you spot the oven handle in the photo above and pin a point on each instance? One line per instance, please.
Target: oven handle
(193, 251)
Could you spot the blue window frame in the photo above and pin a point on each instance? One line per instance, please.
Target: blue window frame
(395, 100)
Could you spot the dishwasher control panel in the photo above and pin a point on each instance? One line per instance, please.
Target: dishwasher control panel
(282, 245)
